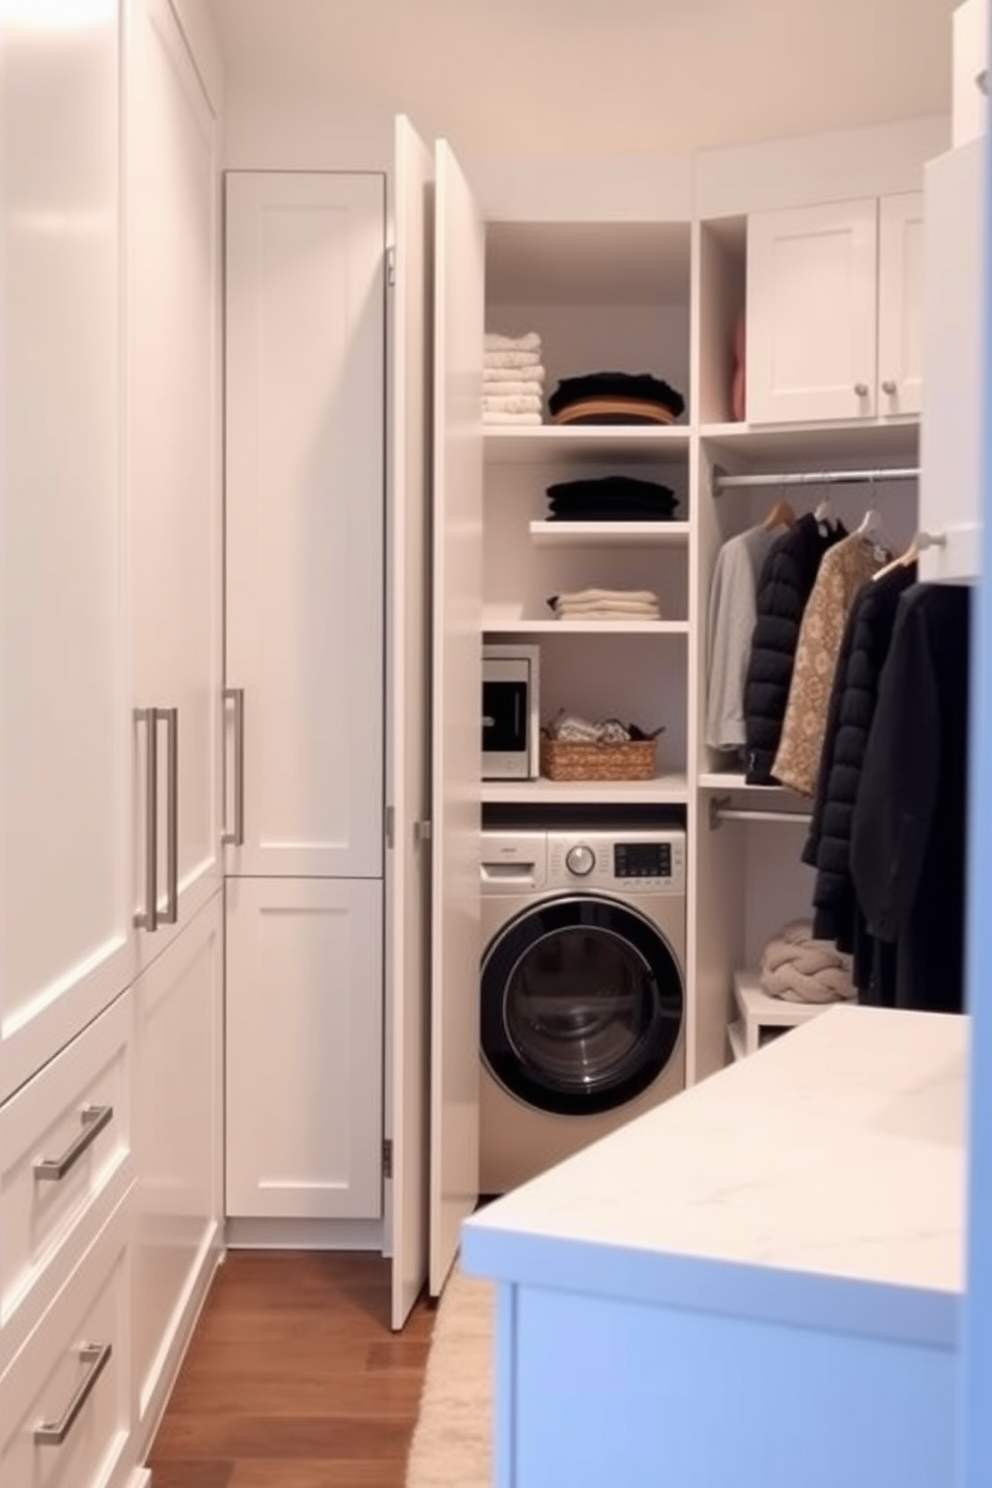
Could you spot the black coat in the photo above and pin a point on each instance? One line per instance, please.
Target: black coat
(784, 585)
(908, 835)
(867, 637)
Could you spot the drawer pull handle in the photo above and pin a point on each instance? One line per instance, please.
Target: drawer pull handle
(94, 1119)
(54, 1433)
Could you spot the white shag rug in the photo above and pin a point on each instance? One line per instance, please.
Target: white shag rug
(452, 1440)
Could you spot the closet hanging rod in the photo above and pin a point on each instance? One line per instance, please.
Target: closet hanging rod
(721, 481)
(721, 811)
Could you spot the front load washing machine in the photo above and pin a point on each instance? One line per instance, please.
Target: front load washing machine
(582, 1017)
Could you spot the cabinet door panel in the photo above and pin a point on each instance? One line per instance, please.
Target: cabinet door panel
(951, 431)
(174, 438)
(811, 332)
(305, 497)
(900, 303)
(304, 1049)
(178, 1144)
(65, 912)
(408, 864)
(459, 269)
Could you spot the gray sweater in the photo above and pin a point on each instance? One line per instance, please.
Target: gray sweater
(732, 612)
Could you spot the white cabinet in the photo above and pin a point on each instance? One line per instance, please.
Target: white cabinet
(178, 1145)
(65, 882)
(304, 527)
(834, 311)
(304, 1048)
(952, 427)
(173, 401)
(969, 114)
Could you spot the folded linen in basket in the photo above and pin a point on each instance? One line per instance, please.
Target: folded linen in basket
(529, 341)
(512, 359)
(517, 403)
(512, 389)
(511, 418)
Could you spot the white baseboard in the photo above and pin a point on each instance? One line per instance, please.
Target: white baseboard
(304, 1234)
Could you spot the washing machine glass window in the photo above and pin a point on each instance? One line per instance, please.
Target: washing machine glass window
(582, 1004)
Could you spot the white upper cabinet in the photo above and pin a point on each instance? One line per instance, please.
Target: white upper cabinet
(174, 466)
(833, 311)
(900, 303)
(65, 882)
(304, 523)
(952, 425)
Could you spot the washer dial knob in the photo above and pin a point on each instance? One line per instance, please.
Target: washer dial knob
(580, 861)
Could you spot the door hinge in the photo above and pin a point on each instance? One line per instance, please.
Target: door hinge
(387, 1157)
(389, 826)
(390, 266)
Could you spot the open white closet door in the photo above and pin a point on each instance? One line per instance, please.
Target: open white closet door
(409, 783)
(459, 278)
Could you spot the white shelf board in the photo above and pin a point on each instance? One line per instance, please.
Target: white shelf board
(608, 534)
(532, 444)
(851, 440)
(733, 780)
(760, 1010)
(735, 1038)
(493, 625)
(662, 790)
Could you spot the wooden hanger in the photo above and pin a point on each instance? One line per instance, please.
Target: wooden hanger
(781, 515)
(920, 541)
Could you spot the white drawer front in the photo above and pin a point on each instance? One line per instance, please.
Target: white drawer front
(65, 1145)
(56, 1385)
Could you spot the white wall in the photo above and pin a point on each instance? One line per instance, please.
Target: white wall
(271, 129)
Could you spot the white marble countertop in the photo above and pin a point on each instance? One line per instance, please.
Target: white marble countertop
(819, 1182)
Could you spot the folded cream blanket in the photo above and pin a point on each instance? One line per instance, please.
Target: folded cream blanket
(511, 389)
(502, 417)
(517, 403)
(611, 596)
(512, 359)
(797, 968)
(496, 375)
(529, 341)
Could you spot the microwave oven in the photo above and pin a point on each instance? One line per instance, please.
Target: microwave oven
(510, 712)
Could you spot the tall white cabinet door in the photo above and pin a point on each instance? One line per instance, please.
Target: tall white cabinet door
(174, 454)
(304, 522)
(459, 280)
(811, 333)
(408, 734)
(178, 1149)
(952, 427)
(304, 1048)
(66, 942)
(900, 303)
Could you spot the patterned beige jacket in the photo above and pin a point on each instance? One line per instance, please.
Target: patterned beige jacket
(843, 569)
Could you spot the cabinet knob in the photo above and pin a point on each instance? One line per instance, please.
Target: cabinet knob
(861, 388)
(888, 386)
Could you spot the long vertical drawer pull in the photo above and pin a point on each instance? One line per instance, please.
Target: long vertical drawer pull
(94, 1119)
(170, 915)
(147, 918)
(236, 838)
(54, 1433)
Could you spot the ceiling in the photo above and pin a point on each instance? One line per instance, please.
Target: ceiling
(595, 77)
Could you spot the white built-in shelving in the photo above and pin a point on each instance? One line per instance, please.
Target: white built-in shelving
(660, 790)
(493, 625)
(513, 444)
(609, 534)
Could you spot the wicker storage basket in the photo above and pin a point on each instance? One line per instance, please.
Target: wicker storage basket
(566, 759)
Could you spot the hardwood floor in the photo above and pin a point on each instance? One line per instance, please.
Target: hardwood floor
(293, 1378)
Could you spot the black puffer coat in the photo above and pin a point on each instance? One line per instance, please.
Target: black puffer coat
(785, 584)
(852, 707)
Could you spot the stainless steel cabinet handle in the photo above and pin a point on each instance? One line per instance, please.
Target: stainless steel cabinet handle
(54, 1433)
(888, 386)
(236, 838)
(170, 914)
(147, 918)
(861, 388)
(94, 1119)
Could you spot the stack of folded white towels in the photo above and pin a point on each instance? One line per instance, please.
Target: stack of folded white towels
(512, 379)
(607, 604)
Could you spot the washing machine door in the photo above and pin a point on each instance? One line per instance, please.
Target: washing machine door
(582, 1004)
